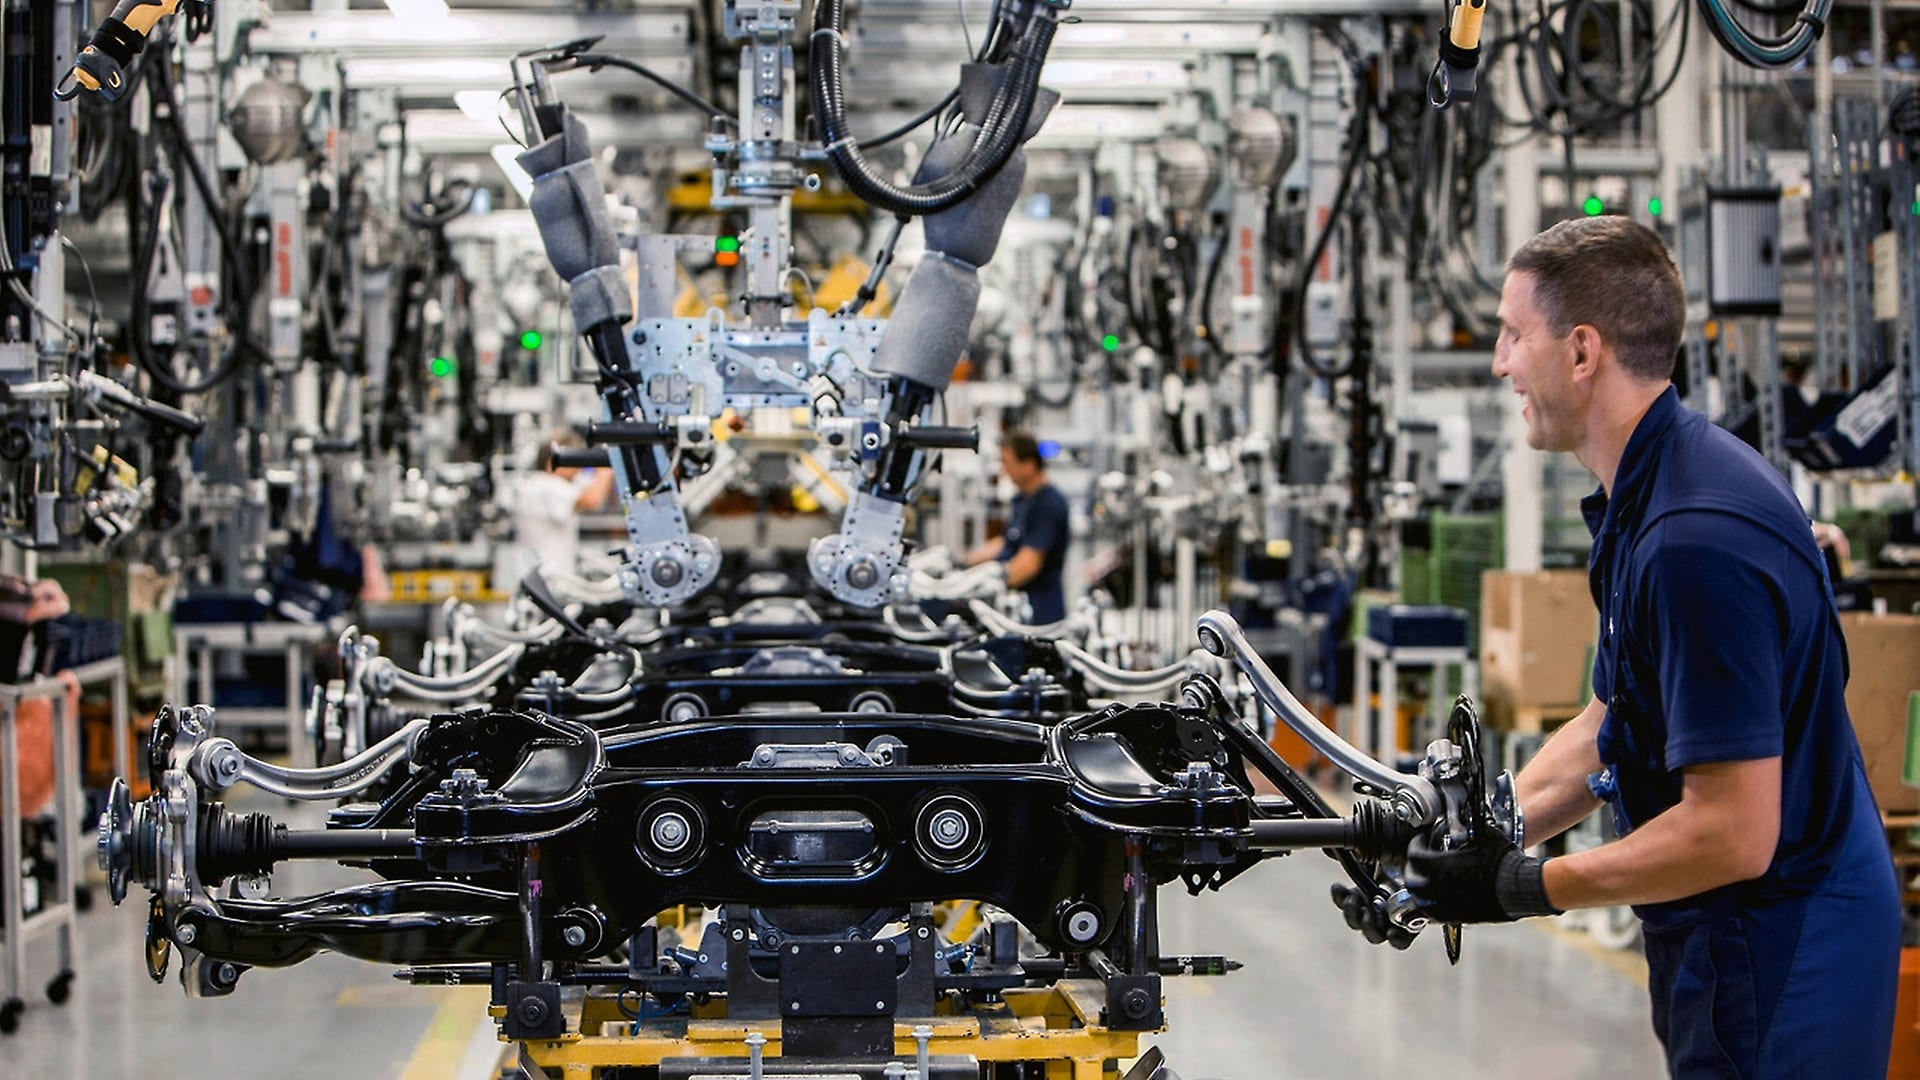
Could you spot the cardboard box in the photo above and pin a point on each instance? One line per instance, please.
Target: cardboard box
(149, 590)
(1537, 633)
(1905, 1063)
(1884, 655)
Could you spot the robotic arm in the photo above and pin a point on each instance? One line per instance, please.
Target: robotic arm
(667, 563)
(862, 564)
(872, 391)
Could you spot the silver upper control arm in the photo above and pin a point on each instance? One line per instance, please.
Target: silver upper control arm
(1414, 797)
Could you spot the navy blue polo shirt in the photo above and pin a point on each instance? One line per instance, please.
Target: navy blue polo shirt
(1718, 642)
(1041, 521)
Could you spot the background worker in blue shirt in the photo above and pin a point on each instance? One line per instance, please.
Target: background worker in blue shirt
(1751, 846)
(1034, 545)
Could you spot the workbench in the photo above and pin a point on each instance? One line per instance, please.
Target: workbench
(1383, 741)
(56, 914)
(195, 645)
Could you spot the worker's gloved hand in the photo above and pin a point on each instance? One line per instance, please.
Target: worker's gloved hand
(1371, 920)
(1491, 881)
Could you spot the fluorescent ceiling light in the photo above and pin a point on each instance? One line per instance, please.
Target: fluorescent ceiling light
(504, 155)
(418, 10)
(483, 105)
(1117, 73)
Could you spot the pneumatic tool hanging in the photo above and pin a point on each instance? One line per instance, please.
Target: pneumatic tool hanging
(101, 66)
(1456, 72)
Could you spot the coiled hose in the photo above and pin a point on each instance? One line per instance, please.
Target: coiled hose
(1766, 51)
(1001, 131)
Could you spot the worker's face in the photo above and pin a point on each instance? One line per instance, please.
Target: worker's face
(1541, 366)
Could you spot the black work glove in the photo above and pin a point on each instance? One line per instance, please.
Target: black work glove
(1491, 881)
(1370, 920)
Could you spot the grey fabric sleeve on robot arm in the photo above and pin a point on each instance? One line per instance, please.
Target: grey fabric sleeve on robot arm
(569, 204)
(937, 305)
(600, 295)
(942, 293)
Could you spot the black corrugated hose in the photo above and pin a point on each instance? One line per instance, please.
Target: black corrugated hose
(237, 297)
(1001, 130)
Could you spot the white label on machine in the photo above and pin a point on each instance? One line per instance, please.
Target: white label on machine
(1454, 463)
(40, 162)
(287, 311)
(1886, 276)
(1865, 415)
(1323, 314)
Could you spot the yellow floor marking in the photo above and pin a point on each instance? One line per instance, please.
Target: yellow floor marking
(384, 995)
(1628, 963)
(438, 1054)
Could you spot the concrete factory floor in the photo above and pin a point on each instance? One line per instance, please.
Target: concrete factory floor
(1316, 1002)
(1313, 1001)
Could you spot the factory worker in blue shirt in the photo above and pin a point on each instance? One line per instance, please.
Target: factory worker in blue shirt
(1034, 546)
(1750, 847)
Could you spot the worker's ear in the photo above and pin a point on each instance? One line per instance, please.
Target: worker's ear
(1587, 346)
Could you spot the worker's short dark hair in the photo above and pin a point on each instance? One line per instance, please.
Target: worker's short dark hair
(1615, 275)
(1024, 447)
(564, 437)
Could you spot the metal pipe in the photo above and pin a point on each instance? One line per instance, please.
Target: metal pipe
(1295, 834)
(448, 694)
(958, 584)
(1221, 636)
(910, 634)
(339, 843)
(619, 696)
(1102, 966)
(1000, 624)
(365, 768)
(1132, 689)
(530, 888)
(316, 793)
(585, 590)
(457, 687)
(1043, 967)
(538, 635)
(396, 741)
(1101, 673)
(1139, 907)
(481, 974)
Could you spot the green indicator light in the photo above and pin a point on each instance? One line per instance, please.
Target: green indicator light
(1916, 208)
(1111, 343)
(1593, 206)
(1654, 207)
(442, 367)
(727, 243)
(530, 340)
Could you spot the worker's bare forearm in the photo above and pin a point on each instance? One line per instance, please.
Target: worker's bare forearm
(1724, 830)
(1553, 788)
(986, 552)
(594, 496)
(1025, 565)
